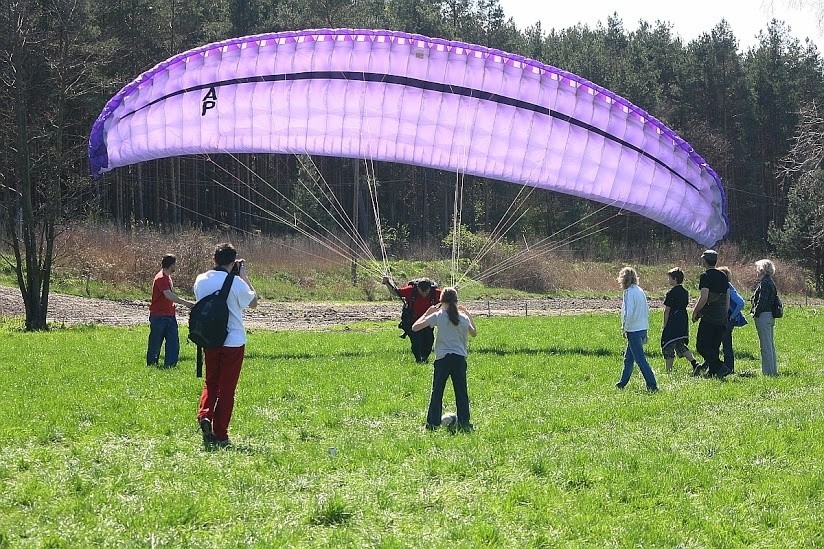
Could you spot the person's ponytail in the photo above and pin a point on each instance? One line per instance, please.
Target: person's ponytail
(450, 297)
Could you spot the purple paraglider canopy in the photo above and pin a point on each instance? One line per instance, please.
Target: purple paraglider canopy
(399, 97)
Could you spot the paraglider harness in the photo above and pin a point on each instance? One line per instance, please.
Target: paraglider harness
(408, 304)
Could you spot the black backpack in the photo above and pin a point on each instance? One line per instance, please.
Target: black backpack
(406, 313)
(209, 321)
(406, 319)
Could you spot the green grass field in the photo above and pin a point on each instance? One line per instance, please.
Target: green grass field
(99, 450)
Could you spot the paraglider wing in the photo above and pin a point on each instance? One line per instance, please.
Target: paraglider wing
(406, 98)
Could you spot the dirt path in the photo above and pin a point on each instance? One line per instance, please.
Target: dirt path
(279, 316)
(68, 310)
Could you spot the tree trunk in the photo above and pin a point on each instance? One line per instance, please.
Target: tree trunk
(139, 218)
(118, 200)
(174, 183)
(28, 278)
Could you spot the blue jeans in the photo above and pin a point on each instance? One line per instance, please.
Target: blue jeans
(635, 354)
(163, 328)
(453, 366)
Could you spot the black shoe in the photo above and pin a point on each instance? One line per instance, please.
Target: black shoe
(723, 372)
(464, 427)
(697, 368)
(206, 428)
(225, 444)
(431, 426)
(619, 385)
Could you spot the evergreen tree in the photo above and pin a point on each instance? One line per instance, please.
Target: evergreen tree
(801, 237)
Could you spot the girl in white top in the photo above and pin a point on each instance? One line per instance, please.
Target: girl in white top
(454, 325)
(634, 325)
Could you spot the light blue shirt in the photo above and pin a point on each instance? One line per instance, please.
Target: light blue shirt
(736, 306)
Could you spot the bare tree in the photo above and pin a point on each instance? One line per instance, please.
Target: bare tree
(816, 7)
(801, 236)
(807, 153)
(42, 75)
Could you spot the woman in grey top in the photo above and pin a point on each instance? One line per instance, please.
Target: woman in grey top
(454, 324)
(763, 302)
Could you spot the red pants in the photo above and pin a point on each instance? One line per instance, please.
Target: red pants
(218, 397)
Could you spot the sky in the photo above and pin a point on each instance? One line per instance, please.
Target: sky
(689, 19)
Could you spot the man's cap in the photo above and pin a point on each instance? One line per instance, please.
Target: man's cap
(425, 284)
(711, 255)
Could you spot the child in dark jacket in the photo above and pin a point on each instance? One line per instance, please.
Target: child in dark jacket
(675, 333)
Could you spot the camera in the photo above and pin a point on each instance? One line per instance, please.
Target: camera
(238, 265)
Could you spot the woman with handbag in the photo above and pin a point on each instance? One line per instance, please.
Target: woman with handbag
(764, 303)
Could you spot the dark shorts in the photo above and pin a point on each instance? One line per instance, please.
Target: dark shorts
(675, 347)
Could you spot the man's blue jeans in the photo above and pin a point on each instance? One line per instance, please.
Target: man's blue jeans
(635, 354)
(163, 328)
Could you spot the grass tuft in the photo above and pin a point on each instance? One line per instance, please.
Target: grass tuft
(330, 511)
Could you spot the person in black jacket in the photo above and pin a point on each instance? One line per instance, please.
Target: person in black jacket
(763, 303)
(712, 310)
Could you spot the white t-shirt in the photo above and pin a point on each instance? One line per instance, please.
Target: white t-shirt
(449, 338)
(240, 296)
(634, 310)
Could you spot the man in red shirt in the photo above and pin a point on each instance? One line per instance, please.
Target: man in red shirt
(418, 295)
(162, 315)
